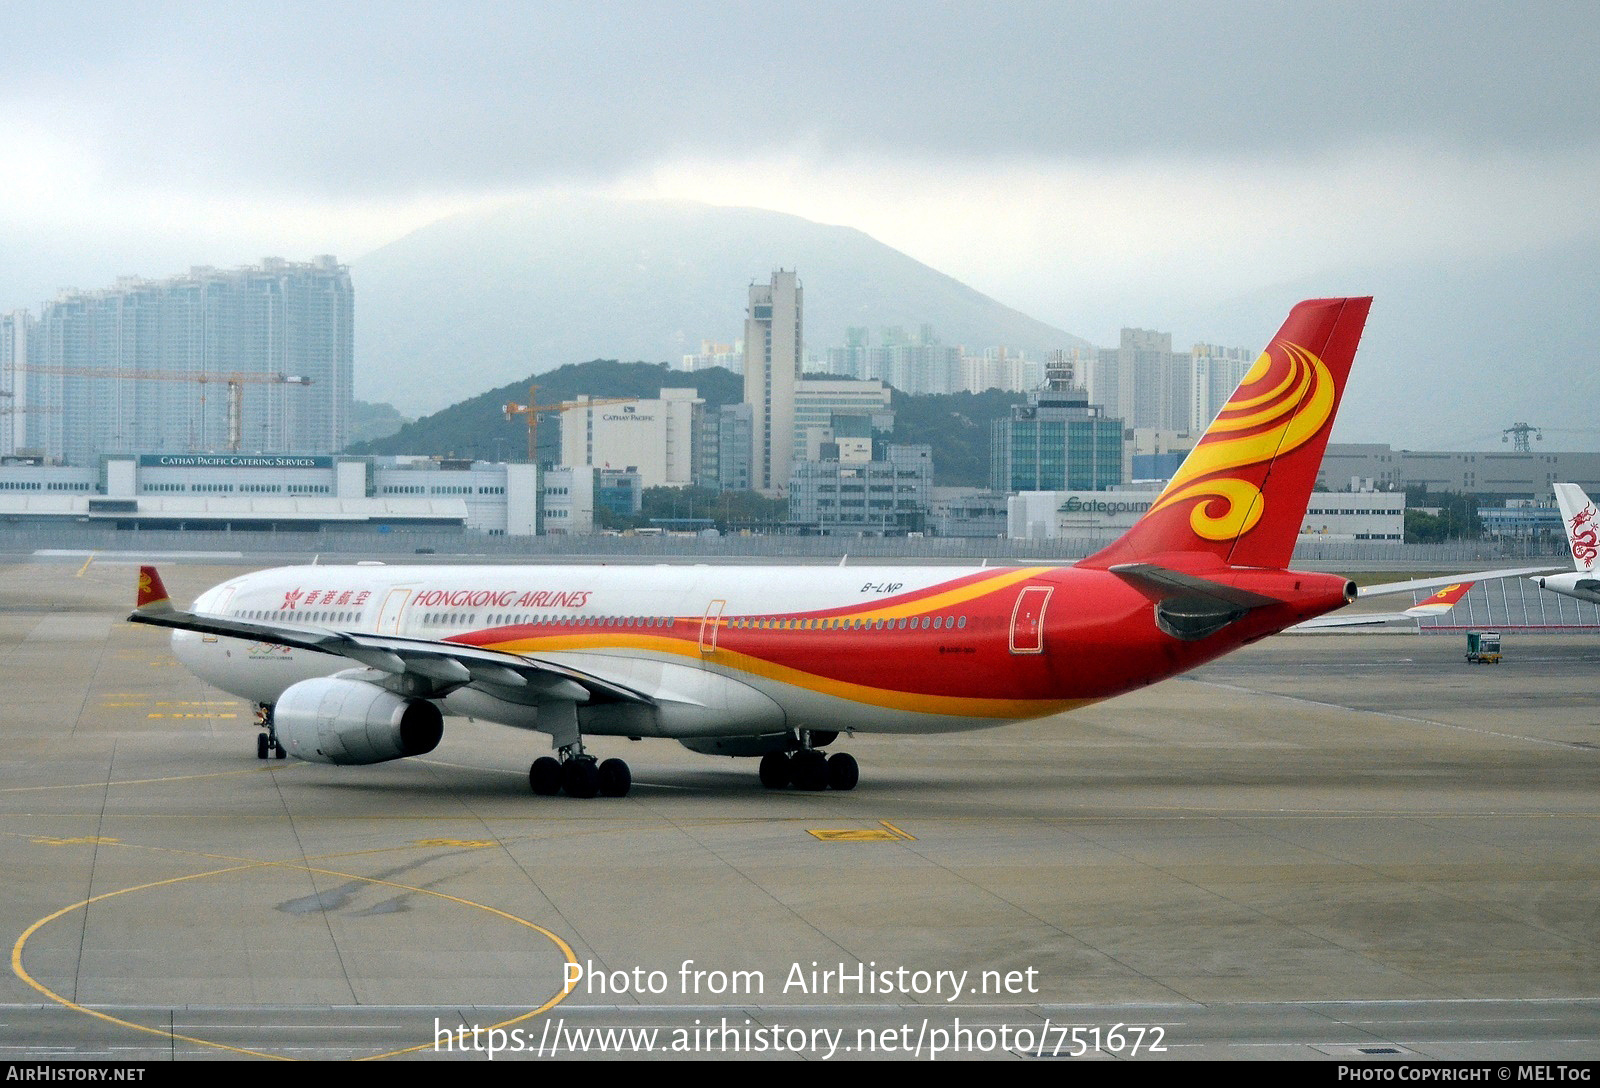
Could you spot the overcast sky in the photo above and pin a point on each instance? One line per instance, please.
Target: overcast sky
(1093, 165)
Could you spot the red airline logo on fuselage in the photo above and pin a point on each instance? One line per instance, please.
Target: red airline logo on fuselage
(442, 598)
(317, 598)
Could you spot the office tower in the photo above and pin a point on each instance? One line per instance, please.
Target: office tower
(818, 400)
(657, 437)
(1058, 441)
(772, 358)
(724, 448)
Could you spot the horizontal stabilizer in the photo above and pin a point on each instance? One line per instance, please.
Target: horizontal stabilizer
(1189, 607)
(1166, 582)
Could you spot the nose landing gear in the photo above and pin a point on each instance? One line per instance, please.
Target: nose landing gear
(267, 742)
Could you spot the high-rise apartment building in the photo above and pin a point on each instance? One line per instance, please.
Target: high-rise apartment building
(119, 370)
(16, 330)
(1214, 373)
(772, 358)
(713, 354)
(1143, 381)
(1154, 381)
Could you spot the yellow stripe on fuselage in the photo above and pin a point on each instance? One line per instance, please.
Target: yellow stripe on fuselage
(746, 664)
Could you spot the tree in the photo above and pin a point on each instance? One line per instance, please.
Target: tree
(1457, 518)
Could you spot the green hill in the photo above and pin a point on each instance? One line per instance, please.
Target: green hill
(955, 425)
(478, 427)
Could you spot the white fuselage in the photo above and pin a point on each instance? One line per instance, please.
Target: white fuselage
(672, 633)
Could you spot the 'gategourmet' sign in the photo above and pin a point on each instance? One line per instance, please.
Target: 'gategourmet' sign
(1075, 504)
(231, 460)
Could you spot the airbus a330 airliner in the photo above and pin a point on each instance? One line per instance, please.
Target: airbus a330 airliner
(360, 664)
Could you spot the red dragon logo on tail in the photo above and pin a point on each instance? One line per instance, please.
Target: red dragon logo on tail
(1585, 536)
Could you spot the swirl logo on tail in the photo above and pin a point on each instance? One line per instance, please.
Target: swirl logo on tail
(1283, 402)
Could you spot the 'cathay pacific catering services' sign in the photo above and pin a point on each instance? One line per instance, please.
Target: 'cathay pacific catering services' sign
(232, 460)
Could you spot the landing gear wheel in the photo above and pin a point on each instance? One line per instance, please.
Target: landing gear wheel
(278, 749)
(808, 769)
(261, 746)
(843, 771)
(614, 778)
(775, 770)
(580, 778)
(545, 776)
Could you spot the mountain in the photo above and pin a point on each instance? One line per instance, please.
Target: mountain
(479, 299)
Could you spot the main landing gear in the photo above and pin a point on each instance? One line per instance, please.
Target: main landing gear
(267, 742)
(806, 768)
(579, 775)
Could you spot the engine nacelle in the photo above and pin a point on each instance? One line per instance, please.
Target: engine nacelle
(334, 720)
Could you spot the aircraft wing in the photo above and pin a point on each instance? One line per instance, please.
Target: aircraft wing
(1436, 605)
(436, 667)
(1385, 588)
(1455, 587)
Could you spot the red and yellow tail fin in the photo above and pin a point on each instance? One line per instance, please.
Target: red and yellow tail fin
(1241, 494)
(152, 596)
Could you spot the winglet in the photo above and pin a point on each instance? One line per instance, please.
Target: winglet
(152, 592)
(1442, 601)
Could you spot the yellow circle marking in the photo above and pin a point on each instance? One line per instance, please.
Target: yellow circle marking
(149, 781)
(22, 972)
(466, 844)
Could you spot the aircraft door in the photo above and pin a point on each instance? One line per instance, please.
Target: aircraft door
(709, 625)
(1027, 619)
(219, 606)
(389, 615)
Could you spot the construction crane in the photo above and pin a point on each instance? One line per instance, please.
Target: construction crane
(532, 412)
(235, 380)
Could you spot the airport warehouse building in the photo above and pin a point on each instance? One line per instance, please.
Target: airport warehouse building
(1063, 515)
(288, 492)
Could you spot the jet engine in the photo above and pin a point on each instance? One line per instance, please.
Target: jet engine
(336, 720)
